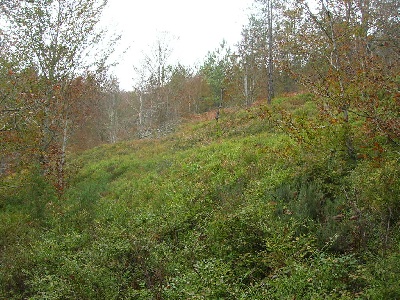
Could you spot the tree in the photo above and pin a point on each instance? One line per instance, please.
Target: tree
(270, 15)
(260, 54)
(348, 51)
(215, 71)
(253, 54)
(59, 39)
(19, 111)
(112, 112)
(152, 77)
(269, 9)
(181, 94)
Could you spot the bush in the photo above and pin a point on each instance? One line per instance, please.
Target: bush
(320, 277)
(383, 274)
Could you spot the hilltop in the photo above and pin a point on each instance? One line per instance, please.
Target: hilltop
(263, 204)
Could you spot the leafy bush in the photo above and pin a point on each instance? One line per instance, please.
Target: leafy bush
(383, 273)
(215, 211)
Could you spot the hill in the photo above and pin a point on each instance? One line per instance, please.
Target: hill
(263, 204)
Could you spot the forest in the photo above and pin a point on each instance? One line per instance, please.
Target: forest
(269, 171)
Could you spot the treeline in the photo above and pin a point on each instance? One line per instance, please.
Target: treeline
(344, 52)
(57, 94)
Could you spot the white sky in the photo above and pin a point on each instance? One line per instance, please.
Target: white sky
(195, 27)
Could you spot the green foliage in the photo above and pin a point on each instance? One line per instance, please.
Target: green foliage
(238, 209)
(384, 275)
(324, 277)
(25, 201)
(215, 72)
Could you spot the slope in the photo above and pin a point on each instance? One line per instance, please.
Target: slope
(262, 204)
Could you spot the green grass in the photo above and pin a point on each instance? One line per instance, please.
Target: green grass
(251, 207)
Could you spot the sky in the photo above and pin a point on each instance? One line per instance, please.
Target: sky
(193, 28)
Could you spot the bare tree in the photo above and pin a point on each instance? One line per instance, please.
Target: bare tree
(152, 77)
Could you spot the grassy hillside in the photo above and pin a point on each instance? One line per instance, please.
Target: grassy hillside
(263, 204)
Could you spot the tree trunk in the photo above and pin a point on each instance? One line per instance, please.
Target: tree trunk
(270, 54)
(246, 88)
(62, 159)
(140, 109)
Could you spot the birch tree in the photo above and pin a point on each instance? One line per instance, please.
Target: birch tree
(61, 40)
(152, 76)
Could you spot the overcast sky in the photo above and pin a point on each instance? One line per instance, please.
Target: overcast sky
(194, 27)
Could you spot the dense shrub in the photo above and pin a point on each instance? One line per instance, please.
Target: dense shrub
(215, 211)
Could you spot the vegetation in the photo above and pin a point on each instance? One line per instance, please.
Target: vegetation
(208, 188)
(234, 209)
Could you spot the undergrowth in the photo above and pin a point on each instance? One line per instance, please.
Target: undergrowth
(263, 204)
